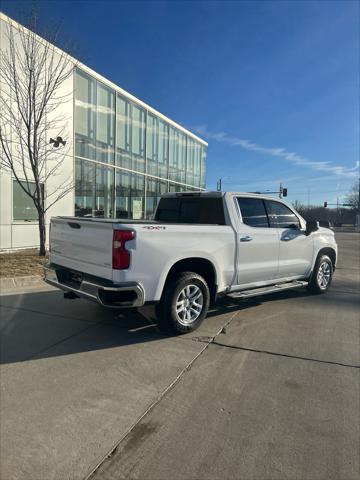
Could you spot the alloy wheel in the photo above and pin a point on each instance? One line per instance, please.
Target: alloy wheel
(189, 304)
(324, 274)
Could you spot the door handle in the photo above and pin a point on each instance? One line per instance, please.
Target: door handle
(247, 238)
(286, 239)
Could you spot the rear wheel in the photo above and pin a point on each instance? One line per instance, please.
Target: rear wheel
(184, 303)
(322, 275)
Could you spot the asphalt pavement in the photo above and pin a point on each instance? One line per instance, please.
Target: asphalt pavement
(267, 388)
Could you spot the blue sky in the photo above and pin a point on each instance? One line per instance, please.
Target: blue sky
(273, 86)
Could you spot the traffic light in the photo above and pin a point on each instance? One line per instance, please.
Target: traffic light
(325, 204)
(284, 192)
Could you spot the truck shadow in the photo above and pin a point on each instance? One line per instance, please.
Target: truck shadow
(41, 325)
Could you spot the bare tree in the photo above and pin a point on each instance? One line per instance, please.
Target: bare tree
(299, 207)
(353, 197)
(32, 71)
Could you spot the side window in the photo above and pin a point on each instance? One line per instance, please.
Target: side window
(23, 206)
(253, 212)
(280, 216)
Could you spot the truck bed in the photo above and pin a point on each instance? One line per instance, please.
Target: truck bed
(86, 245)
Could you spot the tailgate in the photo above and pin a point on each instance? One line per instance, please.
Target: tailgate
(82, 245)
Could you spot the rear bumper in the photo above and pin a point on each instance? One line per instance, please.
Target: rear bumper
(122, 295)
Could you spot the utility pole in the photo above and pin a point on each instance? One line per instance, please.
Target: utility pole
(219, 184)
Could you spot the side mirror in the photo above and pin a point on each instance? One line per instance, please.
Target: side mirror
(311, 226)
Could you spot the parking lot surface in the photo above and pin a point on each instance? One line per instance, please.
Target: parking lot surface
(273, 395)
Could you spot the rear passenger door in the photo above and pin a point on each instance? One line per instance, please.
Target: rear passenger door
(258, 245)
(295, 248)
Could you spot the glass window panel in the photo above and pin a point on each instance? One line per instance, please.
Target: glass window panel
(81, 102)
(197, 164)
(203, 166)
(173, 153)
(182, 158)
(162, 142)
(104, 192)
(122, 193)
(280, 216)
(137, 196)
(138, 130)
(163, 148)
(152, 144)
(177, 155)
(151, 196)
(85, 115)
(102, 113)
(123, 131)
(105, 124)
(150, 136)
(163, 186)
(174, 187)
(121, 123)
(84, 188)
(23, 206)
(253, 212)
(155, 188)
(190, 161)
(129, 195)
(138, 138)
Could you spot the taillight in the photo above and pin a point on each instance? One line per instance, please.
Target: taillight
(121, 256)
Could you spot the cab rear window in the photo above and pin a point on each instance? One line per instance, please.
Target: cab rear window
(191, 210)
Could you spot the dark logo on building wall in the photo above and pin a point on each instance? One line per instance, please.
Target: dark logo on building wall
(56, 143)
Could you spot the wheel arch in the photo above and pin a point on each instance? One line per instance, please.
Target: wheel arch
(199, 265)
(330, 252)
(313, 285)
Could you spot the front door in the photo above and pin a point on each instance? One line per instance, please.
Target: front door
(258, 245)
(295, 248)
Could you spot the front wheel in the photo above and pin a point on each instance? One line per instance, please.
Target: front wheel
(322, 275)
(184, 303)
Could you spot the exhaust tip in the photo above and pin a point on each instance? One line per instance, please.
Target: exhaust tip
(70, 295)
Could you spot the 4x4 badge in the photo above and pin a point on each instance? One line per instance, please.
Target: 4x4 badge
(154, 227)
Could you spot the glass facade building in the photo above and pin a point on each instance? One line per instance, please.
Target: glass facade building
(127, 156)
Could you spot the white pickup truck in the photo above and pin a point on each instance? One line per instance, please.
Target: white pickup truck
(199, 245)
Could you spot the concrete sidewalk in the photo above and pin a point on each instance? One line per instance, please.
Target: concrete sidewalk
(8, 284)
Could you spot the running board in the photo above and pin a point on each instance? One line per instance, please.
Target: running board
(254, 292)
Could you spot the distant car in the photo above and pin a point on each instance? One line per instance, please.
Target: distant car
(200, 245)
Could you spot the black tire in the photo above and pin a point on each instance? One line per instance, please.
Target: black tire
(166, 310)
(323, 268)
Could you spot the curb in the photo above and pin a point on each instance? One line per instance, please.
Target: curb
(9, 283)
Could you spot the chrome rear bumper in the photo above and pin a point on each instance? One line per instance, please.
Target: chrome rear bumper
(114, 296)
